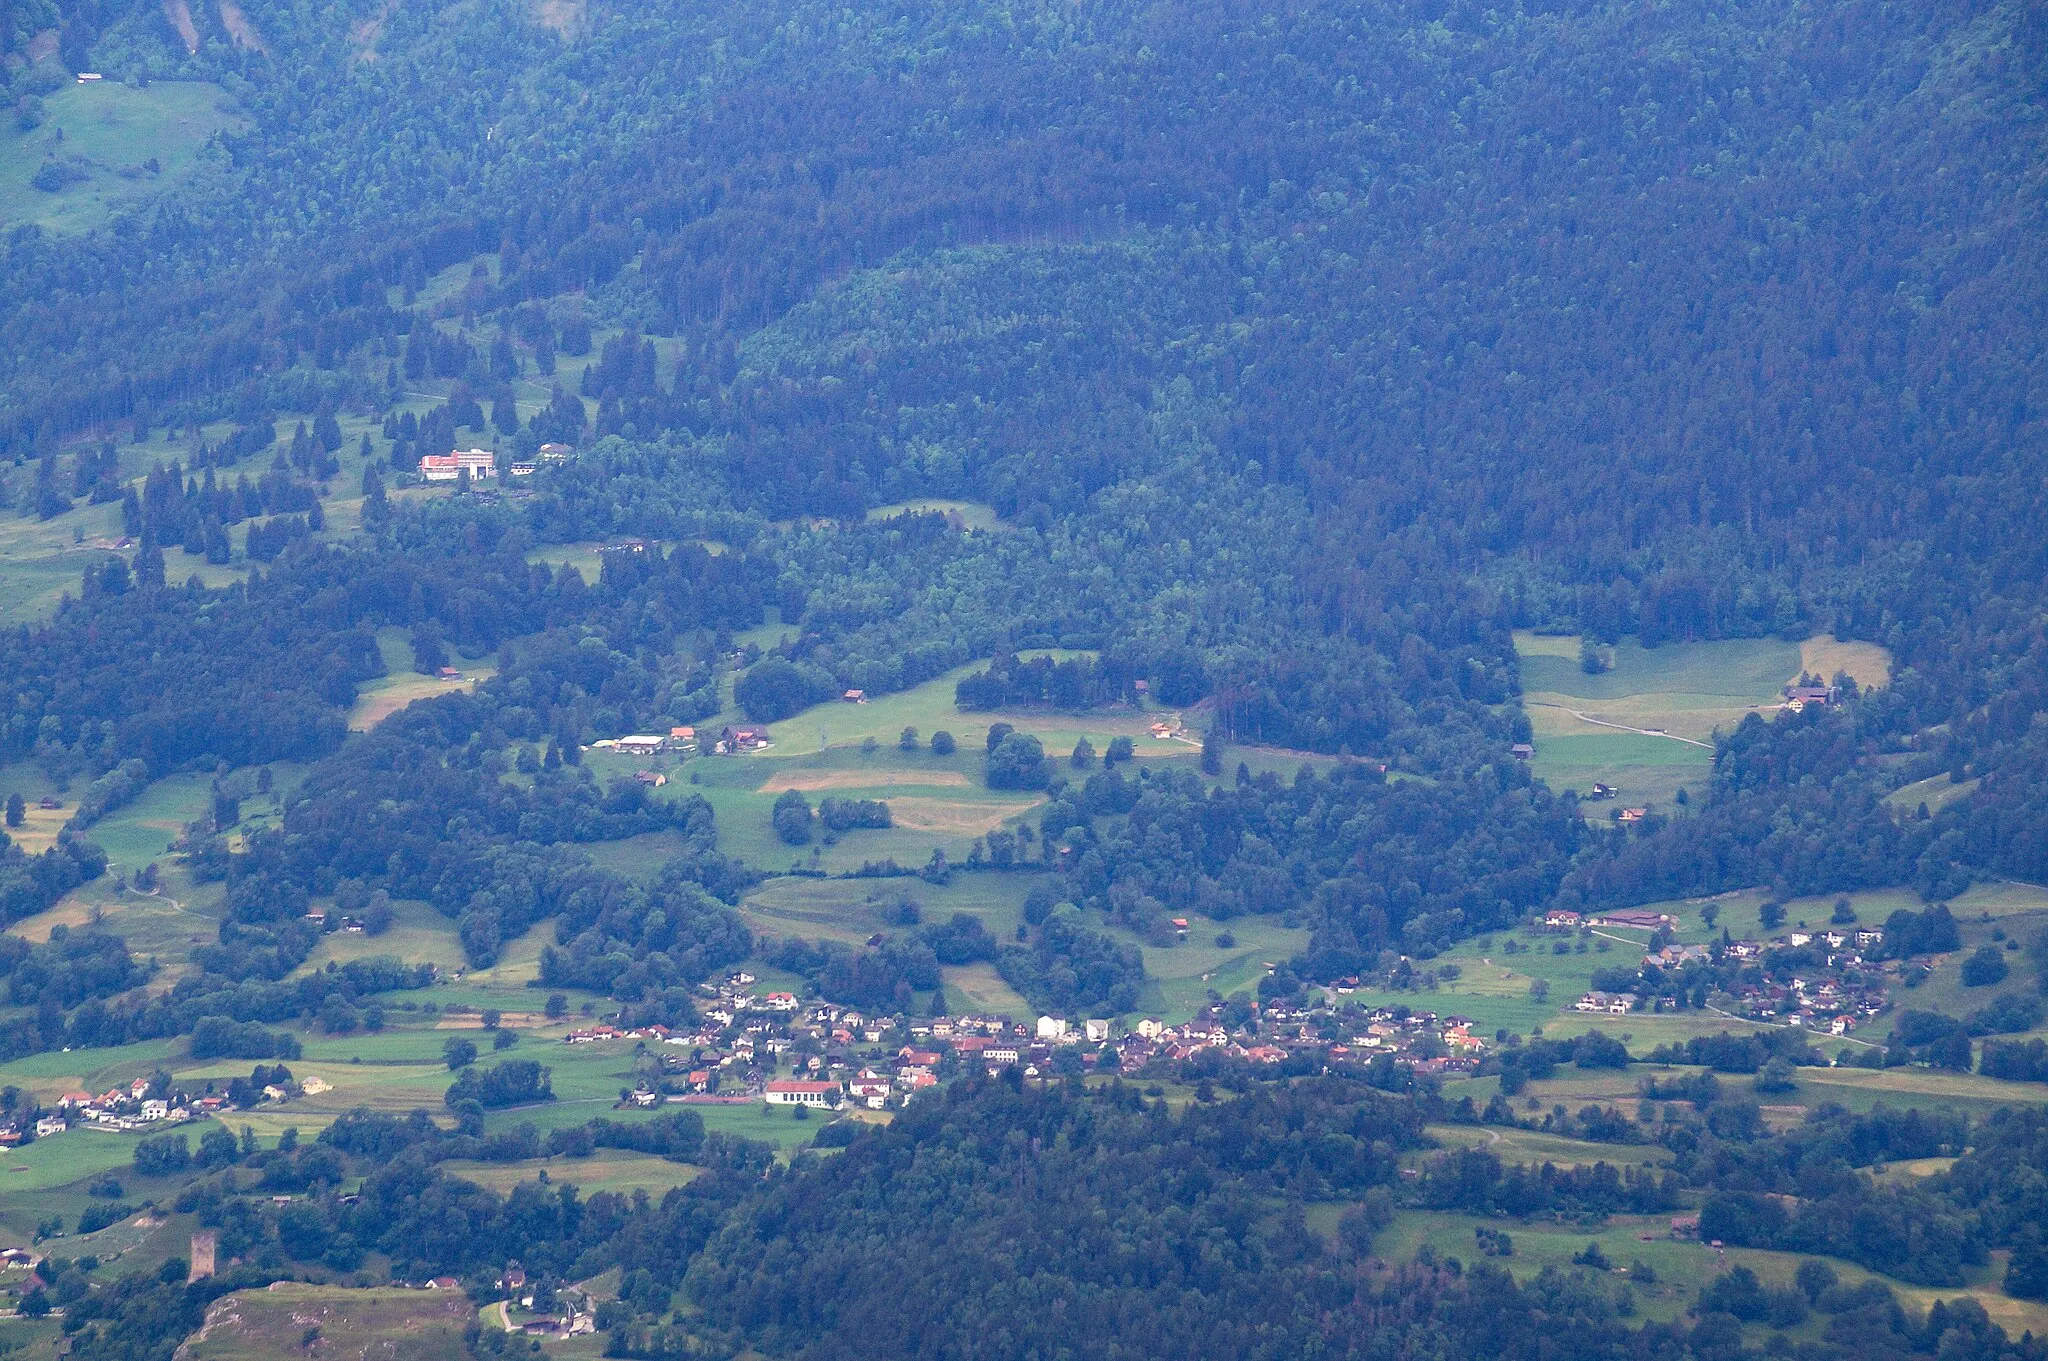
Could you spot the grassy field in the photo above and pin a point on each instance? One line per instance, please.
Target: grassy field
(1635, 726)
(609, 1169)
(387, 1323)
(972, 513)
(121, 147)
(1680, 1267)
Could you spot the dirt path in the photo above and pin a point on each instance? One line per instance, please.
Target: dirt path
(1603, 723)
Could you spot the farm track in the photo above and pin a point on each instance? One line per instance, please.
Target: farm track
(1604, 723)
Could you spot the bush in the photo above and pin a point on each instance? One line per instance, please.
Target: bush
(1017, 761)
(943, 743)
(162, 1156)
(1985, 967)
(792, 817)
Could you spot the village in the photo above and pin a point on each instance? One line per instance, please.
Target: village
(1817, 979)
(153, 1103)
(775, 1048)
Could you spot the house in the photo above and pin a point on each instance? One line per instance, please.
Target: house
(1180, 927)
(643, 744)
(48, 802)
(50, 1124)
(855, 697)
(526, 469)
(683, 738)
(651, 777)
(1051, 1027)
(444, 1283)
(478, 463)
(1096, 1031)
(1161, 731)
(155, 1110)
(788, 1093)
(1797, 697)
(1602, 790)
(1560, 917)
(779, 1001)
(1150, 1029)
(1000, 1055)
(1521, 751)
(555, 453)
(1611, 1003)
(448, 673)
(1634, 814)
(735, 740)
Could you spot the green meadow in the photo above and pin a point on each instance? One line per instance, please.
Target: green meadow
(1646, 724)
(111, 146)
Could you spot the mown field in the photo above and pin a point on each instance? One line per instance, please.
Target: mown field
(1646, 725)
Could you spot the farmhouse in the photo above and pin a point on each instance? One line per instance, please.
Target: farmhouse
(787, 1093)
(1522, 751)
(855, 696)
(735, 740)
(1560, 917)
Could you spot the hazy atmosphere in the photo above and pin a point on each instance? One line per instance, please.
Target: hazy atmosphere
(1080, 681)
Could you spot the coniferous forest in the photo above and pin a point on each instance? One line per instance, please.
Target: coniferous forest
(1115, 513)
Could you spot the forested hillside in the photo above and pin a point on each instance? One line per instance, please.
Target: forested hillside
(1049, 509)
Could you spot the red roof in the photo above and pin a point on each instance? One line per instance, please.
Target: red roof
(795, 1088)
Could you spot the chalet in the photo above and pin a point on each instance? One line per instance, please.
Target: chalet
(855, 697)
(1141, 687)
(478, 463)
(803, 1093)
(732, 741)
(653, 778)
(1161, 731)
(779, 1001)
(448, 673)
(1560, 917)
(1634, 814)
(1521, 751)
(444, 1283)
(683, 738)
(1180, 927)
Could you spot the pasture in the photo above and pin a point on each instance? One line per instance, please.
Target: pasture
(1679, 1266)
(1646, 724)
(106, 146)
(617, 1170)
(385, 1322)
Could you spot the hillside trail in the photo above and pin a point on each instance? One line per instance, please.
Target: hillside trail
(1604, 723)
